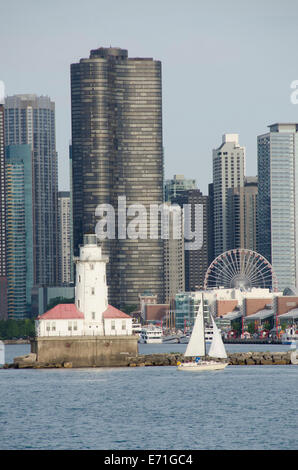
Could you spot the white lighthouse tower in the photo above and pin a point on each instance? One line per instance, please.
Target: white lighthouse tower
(91, 292)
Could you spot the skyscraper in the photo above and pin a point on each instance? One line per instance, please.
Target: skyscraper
(117, 151)
(3, 270)
(20, 247)
(278, 201)
(242, 215)
(174, 275)
(64, 238)
(30, 119)
(174, 186)
(228, 172)
(197, 260)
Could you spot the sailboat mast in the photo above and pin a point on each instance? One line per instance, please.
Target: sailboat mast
(203, 324)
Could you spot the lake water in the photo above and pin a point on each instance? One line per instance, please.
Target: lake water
(241, 407)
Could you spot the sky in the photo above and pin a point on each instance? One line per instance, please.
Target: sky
(227, 66)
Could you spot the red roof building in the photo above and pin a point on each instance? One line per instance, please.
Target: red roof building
(62, 312)
(112, 312)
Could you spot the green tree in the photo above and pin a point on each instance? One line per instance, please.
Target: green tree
(128, 309)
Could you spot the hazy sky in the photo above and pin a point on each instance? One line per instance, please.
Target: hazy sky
(227, 66)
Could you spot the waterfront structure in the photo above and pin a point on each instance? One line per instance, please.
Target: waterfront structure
(20, 229)
(3, 266)
(225, 305)
(174, 274)
(64, 238)
(196, 260)
(117, 152)
(90, 315)
(278, 201)
(228, 172)
(176, 185)
(30, 119)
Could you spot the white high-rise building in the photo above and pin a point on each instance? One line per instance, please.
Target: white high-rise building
(64, 239)
(228, 172)
(278, 201)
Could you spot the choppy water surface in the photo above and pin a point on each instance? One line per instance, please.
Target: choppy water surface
(242, 407)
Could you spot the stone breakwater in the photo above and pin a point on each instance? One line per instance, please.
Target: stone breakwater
(171, 359)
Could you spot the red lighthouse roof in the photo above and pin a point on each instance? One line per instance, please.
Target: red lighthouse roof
(62, 312)
(112, 312)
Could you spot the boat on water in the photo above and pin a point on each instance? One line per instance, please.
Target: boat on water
(184, 339)
(170, 339)
(151, 334)
(289, 336)
(136, 328)
(197, 348)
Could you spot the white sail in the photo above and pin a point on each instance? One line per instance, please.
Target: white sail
(217, 348)
(196, 345)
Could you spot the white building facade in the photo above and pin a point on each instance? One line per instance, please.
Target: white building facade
(228, 173)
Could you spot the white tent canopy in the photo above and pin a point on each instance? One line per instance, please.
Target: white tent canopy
(231, 316)
(291, 314)
(261, 315)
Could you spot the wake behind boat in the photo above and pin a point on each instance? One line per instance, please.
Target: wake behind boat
(197, 347)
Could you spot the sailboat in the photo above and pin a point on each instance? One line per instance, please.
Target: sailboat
(197, 347)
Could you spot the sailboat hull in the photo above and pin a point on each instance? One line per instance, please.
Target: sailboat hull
(201, 366)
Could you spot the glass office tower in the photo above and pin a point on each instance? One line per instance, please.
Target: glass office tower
(3, 268)
(278, 201)
(30, 119)
(20, 248)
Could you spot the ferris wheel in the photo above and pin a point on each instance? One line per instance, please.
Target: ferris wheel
(242, 269)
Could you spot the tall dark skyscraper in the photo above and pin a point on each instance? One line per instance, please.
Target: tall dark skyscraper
(3, 267)
(30, 119)
(117, 151)
(196, 261)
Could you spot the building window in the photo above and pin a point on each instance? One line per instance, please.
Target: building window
(123, 324)
(69, 326)
(75, 325)
(113, 325)
(53, 326)
(93, 315)
(92, 291)
(48, 326)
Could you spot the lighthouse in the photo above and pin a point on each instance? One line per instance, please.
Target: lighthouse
(91, 292)
(90, 315)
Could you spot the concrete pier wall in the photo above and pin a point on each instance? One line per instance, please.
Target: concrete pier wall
(85, 351)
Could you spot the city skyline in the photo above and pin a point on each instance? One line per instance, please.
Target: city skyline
(220, 98)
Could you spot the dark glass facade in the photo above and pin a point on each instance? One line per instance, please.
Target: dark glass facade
(117, 151)
(196, 261)
(3, 266)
